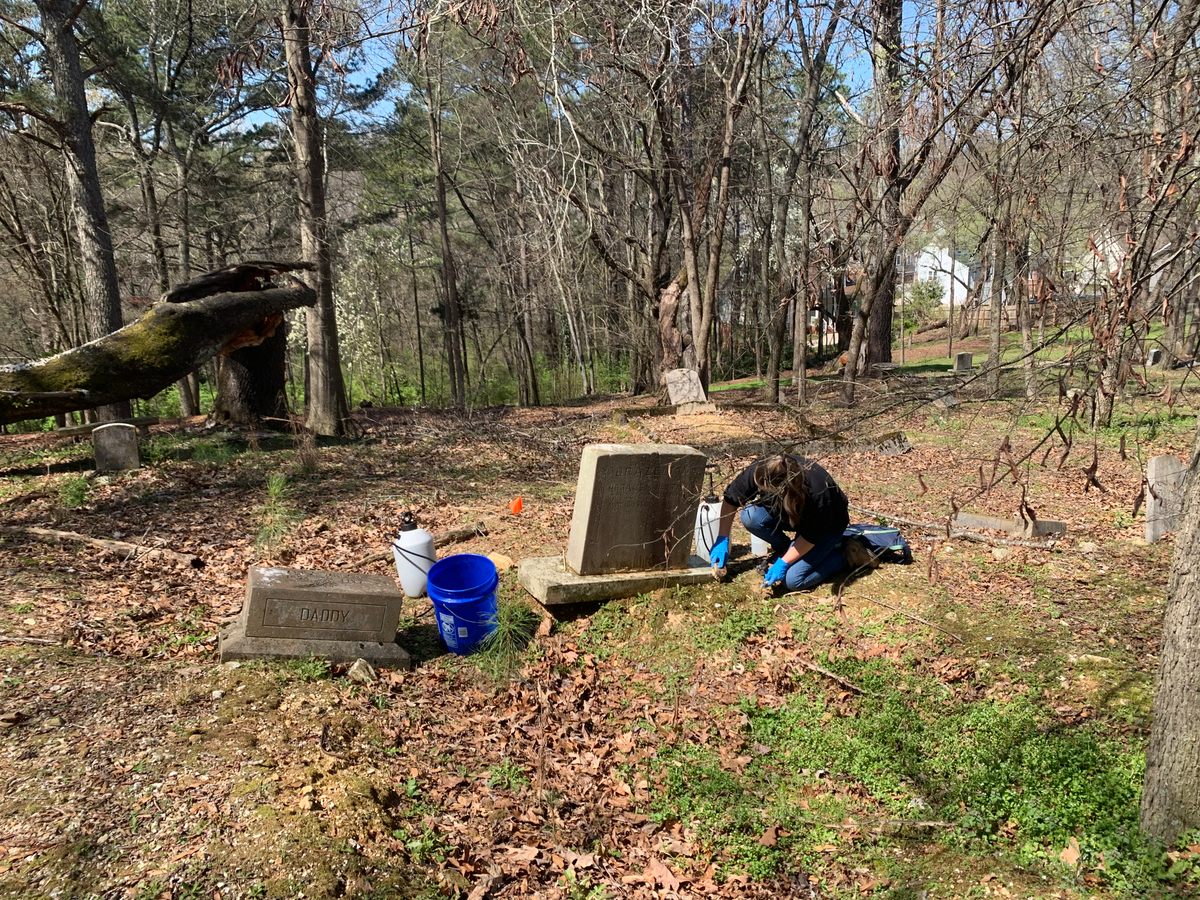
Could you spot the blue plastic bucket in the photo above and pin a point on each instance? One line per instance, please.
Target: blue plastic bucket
(463, 590)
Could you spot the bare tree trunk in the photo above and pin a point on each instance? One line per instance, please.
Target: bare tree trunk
(101, 290)
(326, 394)
(1171, 791)
(251, 386)
(452, 316)
(887, 19)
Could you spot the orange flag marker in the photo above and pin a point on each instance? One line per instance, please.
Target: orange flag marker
(516, 506)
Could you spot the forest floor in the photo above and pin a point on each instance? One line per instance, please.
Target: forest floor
(680, 743)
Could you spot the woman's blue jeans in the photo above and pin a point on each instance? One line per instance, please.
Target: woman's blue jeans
(821, 563)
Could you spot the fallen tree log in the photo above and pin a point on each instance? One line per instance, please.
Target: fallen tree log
(108, 545)
(146, 356)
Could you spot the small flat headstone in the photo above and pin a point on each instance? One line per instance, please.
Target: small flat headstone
(1166, 477)
(1026, 528)
(962, 362)
(893, 443)
(1154, 356)
(116, 447)
(684, 386)
(946, 402)
(635, 505)
(336, 615)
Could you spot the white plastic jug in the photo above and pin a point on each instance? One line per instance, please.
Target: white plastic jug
(414, 552)
(708, 526)
(759, 547)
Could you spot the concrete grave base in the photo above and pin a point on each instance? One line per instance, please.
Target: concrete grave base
(693, 409)
(235, 645)
(549, 580)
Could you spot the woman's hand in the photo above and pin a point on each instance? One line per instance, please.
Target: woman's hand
(776, 572)
(719, 554)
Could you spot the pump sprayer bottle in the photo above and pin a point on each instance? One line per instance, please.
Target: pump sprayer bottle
(708, 523)
(414, 552)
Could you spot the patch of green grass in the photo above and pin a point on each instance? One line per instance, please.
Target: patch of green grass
(607, 630)
(423, 846)
(580, 887)
(75, 491)
(311, 669)
(1008, 778)
(733, 629)
(504, 650)
(277, 515)
(163, 447)
(507, 775)
(213, 452)
(727, 811)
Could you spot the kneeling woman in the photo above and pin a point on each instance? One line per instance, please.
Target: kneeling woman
(781, 496)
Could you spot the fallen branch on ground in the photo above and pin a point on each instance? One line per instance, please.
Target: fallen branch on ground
(833, 676)
(22, 639)
(914, 617)
(454, 536)
(116, 548)
(954, 534)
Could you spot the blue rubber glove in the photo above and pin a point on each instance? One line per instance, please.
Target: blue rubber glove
(776, 572)
(719, 554)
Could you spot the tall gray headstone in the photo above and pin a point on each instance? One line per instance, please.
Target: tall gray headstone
(962, 362)
(1165, 477)
(116, 447)
(635, 505)
(684, 386)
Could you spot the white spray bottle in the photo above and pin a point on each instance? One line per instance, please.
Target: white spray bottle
(414, 552)
(708, 524)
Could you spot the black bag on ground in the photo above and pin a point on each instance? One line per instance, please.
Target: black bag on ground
(870, 545)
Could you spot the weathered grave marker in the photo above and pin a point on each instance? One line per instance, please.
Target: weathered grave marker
(684, 386)
(1026, 527)
(1154, 356)
(631, 530)
(634, 505)
(116, 447)
(293, 613)
(1165, 478)
(962, 362)
(891, 443)
(946, 402)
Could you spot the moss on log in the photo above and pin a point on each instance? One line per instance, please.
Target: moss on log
(147, 355)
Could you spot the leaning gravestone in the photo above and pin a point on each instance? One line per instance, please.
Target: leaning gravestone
(634, 507)
(116, 447)
(295, 614)
(1154, 357)
(631, 528)
(1165, 482)
(684, 386)
(962, 362)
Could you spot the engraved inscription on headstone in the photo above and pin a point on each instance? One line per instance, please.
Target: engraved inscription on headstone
(294, 614)
(292, 603)
(962, 362)
(116, 447)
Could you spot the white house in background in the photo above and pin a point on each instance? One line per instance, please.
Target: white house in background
(936, 264)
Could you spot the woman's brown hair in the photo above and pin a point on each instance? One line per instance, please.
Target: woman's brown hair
(781, 476)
